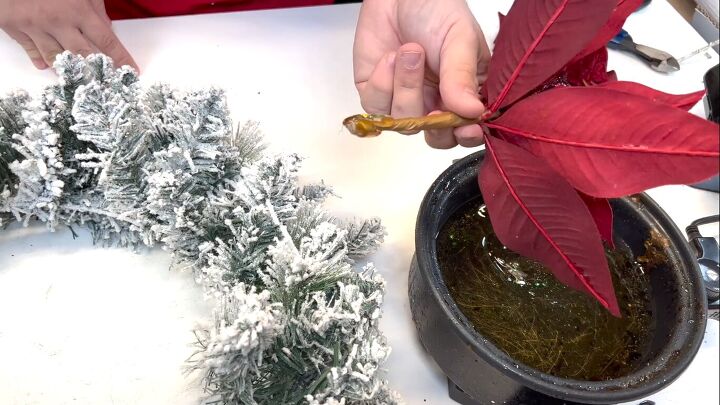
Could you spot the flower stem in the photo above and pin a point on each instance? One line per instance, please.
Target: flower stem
(370, 125)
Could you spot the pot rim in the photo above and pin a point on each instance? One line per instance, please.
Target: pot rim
(632, 386)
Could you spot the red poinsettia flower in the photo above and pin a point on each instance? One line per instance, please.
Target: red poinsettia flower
(564, 136)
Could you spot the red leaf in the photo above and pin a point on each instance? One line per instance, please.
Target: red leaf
(501, 17)
(608, 145)
(592, 69)
(537, 214)
(537, 38)
(602, 214)
(611, 28)
(683, 101)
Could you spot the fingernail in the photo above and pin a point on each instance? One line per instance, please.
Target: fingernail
(391, 59)
(473, 92)
(40, 64)
(410, 60)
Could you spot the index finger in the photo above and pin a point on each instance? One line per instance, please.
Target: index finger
(460, 60)
(102, 35)
(374, 38)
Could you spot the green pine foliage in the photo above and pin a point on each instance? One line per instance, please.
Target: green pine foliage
(296, 317)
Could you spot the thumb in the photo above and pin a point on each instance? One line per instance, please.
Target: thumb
(459, 59)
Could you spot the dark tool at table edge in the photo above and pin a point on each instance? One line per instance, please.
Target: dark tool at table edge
(712, 112)
(708, 257)
(658, 60)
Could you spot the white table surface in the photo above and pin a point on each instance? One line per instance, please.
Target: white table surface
(86, 325)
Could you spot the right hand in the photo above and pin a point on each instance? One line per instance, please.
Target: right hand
(45, 28)
(414, 57)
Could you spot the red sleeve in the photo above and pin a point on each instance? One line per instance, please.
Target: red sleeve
(123, 9)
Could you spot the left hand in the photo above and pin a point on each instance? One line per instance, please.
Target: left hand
(45, 28)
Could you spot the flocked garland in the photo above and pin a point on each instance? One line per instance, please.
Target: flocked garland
(296, 318)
